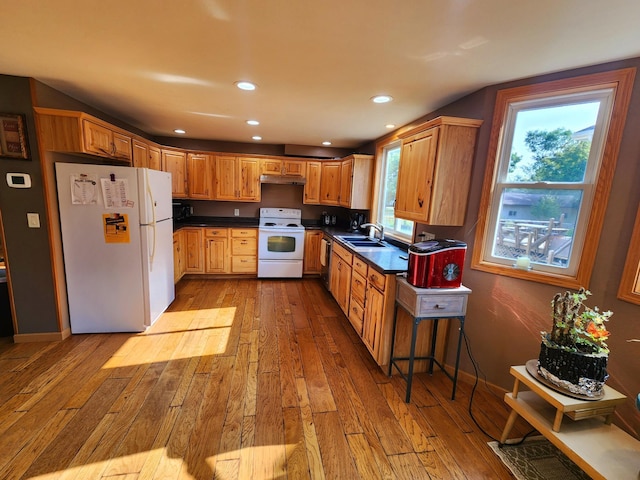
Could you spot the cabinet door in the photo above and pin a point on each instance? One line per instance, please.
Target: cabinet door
(270, 166)
(225, 178)
(373, 318)
(194, 250)
(415, 177)
(121, 146)
(249, 186)
(217, 255)
(330, 183)
(311, 262)
(140, 154)
(346, 182)
(97, 138)
(178, 268)
(293, 168)
(312, 185)
(341, 282)
(175, 162)
(155, 158)
(199, 175)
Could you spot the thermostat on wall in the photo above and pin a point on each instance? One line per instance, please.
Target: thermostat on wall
(19, 180)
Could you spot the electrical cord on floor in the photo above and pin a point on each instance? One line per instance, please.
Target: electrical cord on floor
(476, 368)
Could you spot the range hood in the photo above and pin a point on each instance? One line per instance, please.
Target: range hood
(283, 179)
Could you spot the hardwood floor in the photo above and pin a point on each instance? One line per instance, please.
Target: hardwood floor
(239, 379)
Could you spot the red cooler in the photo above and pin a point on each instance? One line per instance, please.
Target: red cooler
(436, 264)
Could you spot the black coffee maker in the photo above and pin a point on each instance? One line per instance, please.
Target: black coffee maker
(355, 220)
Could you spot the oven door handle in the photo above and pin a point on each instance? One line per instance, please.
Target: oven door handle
(275, 230)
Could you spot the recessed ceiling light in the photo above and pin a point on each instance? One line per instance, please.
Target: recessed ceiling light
(180, 131)
(257, 137)
(253, 122)
(246, 85)
(381, 98)
(326, 143)
(390, 126)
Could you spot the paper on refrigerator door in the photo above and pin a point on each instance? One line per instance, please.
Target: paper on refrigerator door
(84, 189)
(115, 193)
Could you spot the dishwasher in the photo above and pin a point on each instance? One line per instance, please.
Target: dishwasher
(325, 261)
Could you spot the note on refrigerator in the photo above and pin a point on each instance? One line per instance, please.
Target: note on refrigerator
(84, 189)
(115, 193)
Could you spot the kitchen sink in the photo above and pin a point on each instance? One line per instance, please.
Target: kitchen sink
(362, 243)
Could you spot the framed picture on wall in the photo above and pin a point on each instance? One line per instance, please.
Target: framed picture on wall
(630, 284)
(13, 136)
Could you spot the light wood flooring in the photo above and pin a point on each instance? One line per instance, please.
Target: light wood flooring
(239, 379)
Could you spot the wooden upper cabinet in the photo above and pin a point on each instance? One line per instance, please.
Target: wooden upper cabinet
(140, 154)
(199, 175)
(312, 185)
(435, 171)
(175, 162)
(330, 183)
(237, 178)
(155, 158)
(77, 132)
(146, 155)
(356, 177)
(279, 166)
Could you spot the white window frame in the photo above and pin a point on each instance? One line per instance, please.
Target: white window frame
(596, 186)
(378, 213)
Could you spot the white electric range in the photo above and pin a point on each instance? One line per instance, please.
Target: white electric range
(280, 243)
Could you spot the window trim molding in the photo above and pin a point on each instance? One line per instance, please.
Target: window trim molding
(622, 83)
(629, 289)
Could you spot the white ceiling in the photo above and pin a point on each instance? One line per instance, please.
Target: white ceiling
(162, 64)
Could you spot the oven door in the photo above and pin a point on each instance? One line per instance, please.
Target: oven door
(280, 244)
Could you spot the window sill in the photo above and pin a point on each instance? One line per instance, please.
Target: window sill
(532, 275)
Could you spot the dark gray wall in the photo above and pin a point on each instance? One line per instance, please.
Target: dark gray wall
(27, 249)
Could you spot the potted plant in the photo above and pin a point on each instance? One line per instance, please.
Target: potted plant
(574, 354)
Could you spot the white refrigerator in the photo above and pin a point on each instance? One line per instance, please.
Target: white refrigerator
(117, 237)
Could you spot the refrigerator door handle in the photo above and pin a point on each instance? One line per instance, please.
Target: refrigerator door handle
(152, 251)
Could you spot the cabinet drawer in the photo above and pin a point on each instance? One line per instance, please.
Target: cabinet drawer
(244, 246)
(215, 232)
(358, 287)
(244, 232)
(342, 253)
(244, 264)
(377, 279)
(360, 267)
(444, 304)
(356, 316)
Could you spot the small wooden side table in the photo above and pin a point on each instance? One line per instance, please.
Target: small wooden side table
(428, 304)
(601, 449)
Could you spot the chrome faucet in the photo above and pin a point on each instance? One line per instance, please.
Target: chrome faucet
(377, 226)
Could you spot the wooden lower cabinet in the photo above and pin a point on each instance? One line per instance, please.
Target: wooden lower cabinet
(341, 260)
(244, 250)
(312, 243)
(211, 250)
(193, 241)
(178, 256)
(217, 250)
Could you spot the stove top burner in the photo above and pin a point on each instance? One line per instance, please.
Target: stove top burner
(270, 224)
(292, 224)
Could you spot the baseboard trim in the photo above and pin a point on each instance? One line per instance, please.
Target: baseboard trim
(42, 337)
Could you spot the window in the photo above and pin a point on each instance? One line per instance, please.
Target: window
(551, 158)
(396, 227)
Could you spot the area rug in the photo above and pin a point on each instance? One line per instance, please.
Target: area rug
(538, 459)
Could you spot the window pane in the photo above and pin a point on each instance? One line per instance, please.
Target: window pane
(552, 144)
(537, 223)
(388, 195)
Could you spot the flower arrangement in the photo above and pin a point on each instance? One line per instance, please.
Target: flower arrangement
(577, 327)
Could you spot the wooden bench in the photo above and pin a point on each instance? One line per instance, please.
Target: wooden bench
(601, 449)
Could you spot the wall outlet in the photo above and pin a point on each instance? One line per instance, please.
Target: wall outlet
(424, 236)
(236, 212)
(33, 220)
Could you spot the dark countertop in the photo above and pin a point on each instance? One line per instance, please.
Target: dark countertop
(386, 260)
